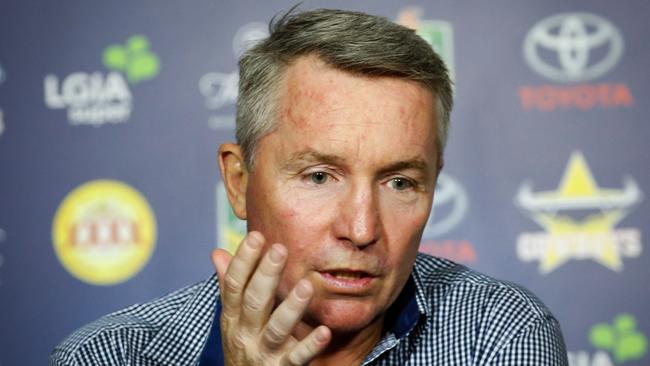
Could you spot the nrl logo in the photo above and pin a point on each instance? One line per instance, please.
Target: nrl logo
(437, 33)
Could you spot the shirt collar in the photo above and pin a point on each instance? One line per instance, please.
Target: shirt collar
(424, 305)
(405, 312)
(181, 340)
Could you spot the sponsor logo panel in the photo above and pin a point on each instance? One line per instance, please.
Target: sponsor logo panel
(579, 219)
(570, 50)
(104, 232)
(615, 343)
(219, 89)
(100, 97)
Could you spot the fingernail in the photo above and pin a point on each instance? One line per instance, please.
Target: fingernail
(303, 290)
(253, 241)
(276, 254)
(321, 335)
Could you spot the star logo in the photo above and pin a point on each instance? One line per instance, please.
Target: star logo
(579, 218)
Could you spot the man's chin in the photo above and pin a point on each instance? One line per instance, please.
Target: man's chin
(342, 316)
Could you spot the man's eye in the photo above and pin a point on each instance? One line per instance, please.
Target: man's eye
(400, 184)
(319, 177)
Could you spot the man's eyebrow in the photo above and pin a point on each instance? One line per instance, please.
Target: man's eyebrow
(312, 156)
(416, 164)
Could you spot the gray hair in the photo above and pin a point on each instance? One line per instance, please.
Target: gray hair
(350, 41)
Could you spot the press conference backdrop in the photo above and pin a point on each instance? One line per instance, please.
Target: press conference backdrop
(111, 113)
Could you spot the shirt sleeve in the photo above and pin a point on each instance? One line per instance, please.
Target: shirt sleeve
(539, 344)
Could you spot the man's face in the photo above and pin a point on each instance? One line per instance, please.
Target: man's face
(346, 183)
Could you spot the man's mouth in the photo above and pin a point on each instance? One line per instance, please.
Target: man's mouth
(347, 275)
(347, 281)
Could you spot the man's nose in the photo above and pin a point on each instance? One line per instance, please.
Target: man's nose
(359, 220)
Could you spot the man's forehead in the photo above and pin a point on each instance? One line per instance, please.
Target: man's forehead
(311, 77)
(333, 116)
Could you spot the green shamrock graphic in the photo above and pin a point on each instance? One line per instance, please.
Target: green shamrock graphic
(134, 59)
(620, 338)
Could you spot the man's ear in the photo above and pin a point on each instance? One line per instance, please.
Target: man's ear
(235, 177)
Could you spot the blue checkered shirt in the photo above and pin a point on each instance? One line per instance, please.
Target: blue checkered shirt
(451, 316)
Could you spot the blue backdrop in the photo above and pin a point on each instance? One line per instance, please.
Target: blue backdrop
(111, 114)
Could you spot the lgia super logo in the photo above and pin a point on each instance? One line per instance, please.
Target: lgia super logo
(100, 97)
(104, 232)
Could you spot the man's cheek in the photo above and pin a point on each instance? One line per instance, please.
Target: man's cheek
(290, 277)
(409, 223)
(306, 213)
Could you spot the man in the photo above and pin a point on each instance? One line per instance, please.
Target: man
(341, 124)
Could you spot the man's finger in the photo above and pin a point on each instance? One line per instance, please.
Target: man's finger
(260, 292)
(238, 273)
(221, 260)
(287, 315)
(308, 348)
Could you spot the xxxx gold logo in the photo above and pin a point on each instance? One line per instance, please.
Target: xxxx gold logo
(104, 232)
(580, 220)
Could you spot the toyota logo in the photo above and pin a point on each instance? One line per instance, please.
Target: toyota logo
(573, 47)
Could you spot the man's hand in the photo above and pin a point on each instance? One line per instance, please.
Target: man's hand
(252, 332)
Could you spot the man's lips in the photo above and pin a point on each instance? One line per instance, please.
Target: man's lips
(346, 281)
(352, 270)
(347, 275)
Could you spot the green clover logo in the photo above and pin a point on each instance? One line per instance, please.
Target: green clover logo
(134, 59)
(621, 338)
